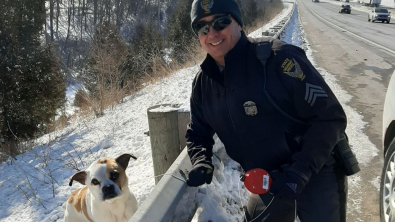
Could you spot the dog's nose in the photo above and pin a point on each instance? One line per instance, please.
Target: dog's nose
(108, 189)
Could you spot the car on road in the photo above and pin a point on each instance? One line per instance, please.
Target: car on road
(379, 14)
(387, 185)
(345, 9)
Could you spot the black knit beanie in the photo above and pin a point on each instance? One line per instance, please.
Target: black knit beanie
(203, 8)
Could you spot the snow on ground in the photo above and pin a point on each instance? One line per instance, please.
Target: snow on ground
(31, 195)
(70, 95)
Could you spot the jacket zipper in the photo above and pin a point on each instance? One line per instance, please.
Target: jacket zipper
(227, 109)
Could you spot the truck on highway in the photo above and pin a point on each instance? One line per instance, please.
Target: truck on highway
(374, 3)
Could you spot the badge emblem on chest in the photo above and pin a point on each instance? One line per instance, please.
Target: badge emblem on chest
(250, 108)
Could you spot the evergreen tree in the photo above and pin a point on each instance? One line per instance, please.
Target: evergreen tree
(146, 45)
(179, 32)
(103, 76)
(32, 86)
(107, 45)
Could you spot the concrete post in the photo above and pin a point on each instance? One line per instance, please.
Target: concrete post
(163, 131)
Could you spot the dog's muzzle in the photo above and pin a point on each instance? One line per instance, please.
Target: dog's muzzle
(109, 192)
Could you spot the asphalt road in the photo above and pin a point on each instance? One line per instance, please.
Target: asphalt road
(361, 55)
(357, 23)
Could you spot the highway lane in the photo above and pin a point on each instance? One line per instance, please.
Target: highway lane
(362, 63)
(356, 22)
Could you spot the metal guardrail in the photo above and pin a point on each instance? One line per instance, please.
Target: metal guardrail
(277, 30)
(285, 22)
(163, 200)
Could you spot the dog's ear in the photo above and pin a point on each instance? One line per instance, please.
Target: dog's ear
(123, 160)
(79, 177)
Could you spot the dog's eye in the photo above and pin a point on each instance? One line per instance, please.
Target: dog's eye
(95, 182)
(114, 175)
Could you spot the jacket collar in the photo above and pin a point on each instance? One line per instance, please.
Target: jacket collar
(238, 51)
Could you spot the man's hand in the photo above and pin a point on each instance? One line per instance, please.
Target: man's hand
(200, 174)
(287, 185)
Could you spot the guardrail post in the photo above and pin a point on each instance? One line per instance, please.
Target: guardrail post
(184, 117)
(164, 137)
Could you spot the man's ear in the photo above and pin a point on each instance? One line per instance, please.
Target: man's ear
(123, 160)
(79, 177)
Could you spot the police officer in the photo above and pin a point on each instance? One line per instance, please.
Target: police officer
(229, 98)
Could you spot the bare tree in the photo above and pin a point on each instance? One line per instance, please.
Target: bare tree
(57, 14)
(95, 8)
(51, 16)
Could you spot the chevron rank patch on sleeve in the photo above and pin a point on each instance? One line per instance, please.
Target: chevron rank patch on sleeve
(313, 92)
(292, 69)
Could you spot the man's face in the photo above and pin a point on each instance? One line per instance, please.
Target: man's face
(218, 43)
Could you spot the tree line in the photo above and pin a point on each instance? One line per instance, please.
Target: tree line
(106, 47)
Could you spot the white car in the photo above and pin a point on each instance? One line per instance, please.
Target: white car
(379, 14)
(387, 186)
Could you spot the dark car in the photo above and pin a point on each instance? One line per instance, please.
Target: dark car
(345, 9)
(379, 14)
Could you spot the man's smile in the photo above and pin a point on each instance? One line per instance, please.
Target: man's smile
(217, 43)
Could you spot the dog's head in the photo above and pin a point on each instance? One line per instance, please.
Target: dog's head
(105, 178)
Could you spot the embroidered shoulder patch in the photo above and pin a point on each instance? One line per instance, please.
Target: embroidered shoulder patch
(292, 69)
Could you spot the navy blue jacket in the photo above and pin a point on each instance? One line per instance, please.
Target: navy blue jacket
(255, 134)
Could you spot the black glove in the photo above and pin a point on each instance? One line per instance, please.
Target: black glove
(200, 174)
(287, 185)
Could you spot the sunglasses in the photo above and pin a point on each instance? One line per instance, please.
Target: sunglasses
(219, 23)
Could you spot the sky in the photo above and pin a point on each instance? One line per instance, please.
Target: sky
(29, 194)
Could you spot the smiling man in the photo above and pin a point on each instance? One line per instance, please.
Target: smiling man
(272, 110)
(220, 39)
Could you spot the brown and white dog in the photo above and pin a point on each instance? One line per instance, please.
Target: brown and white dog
(106, 196)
